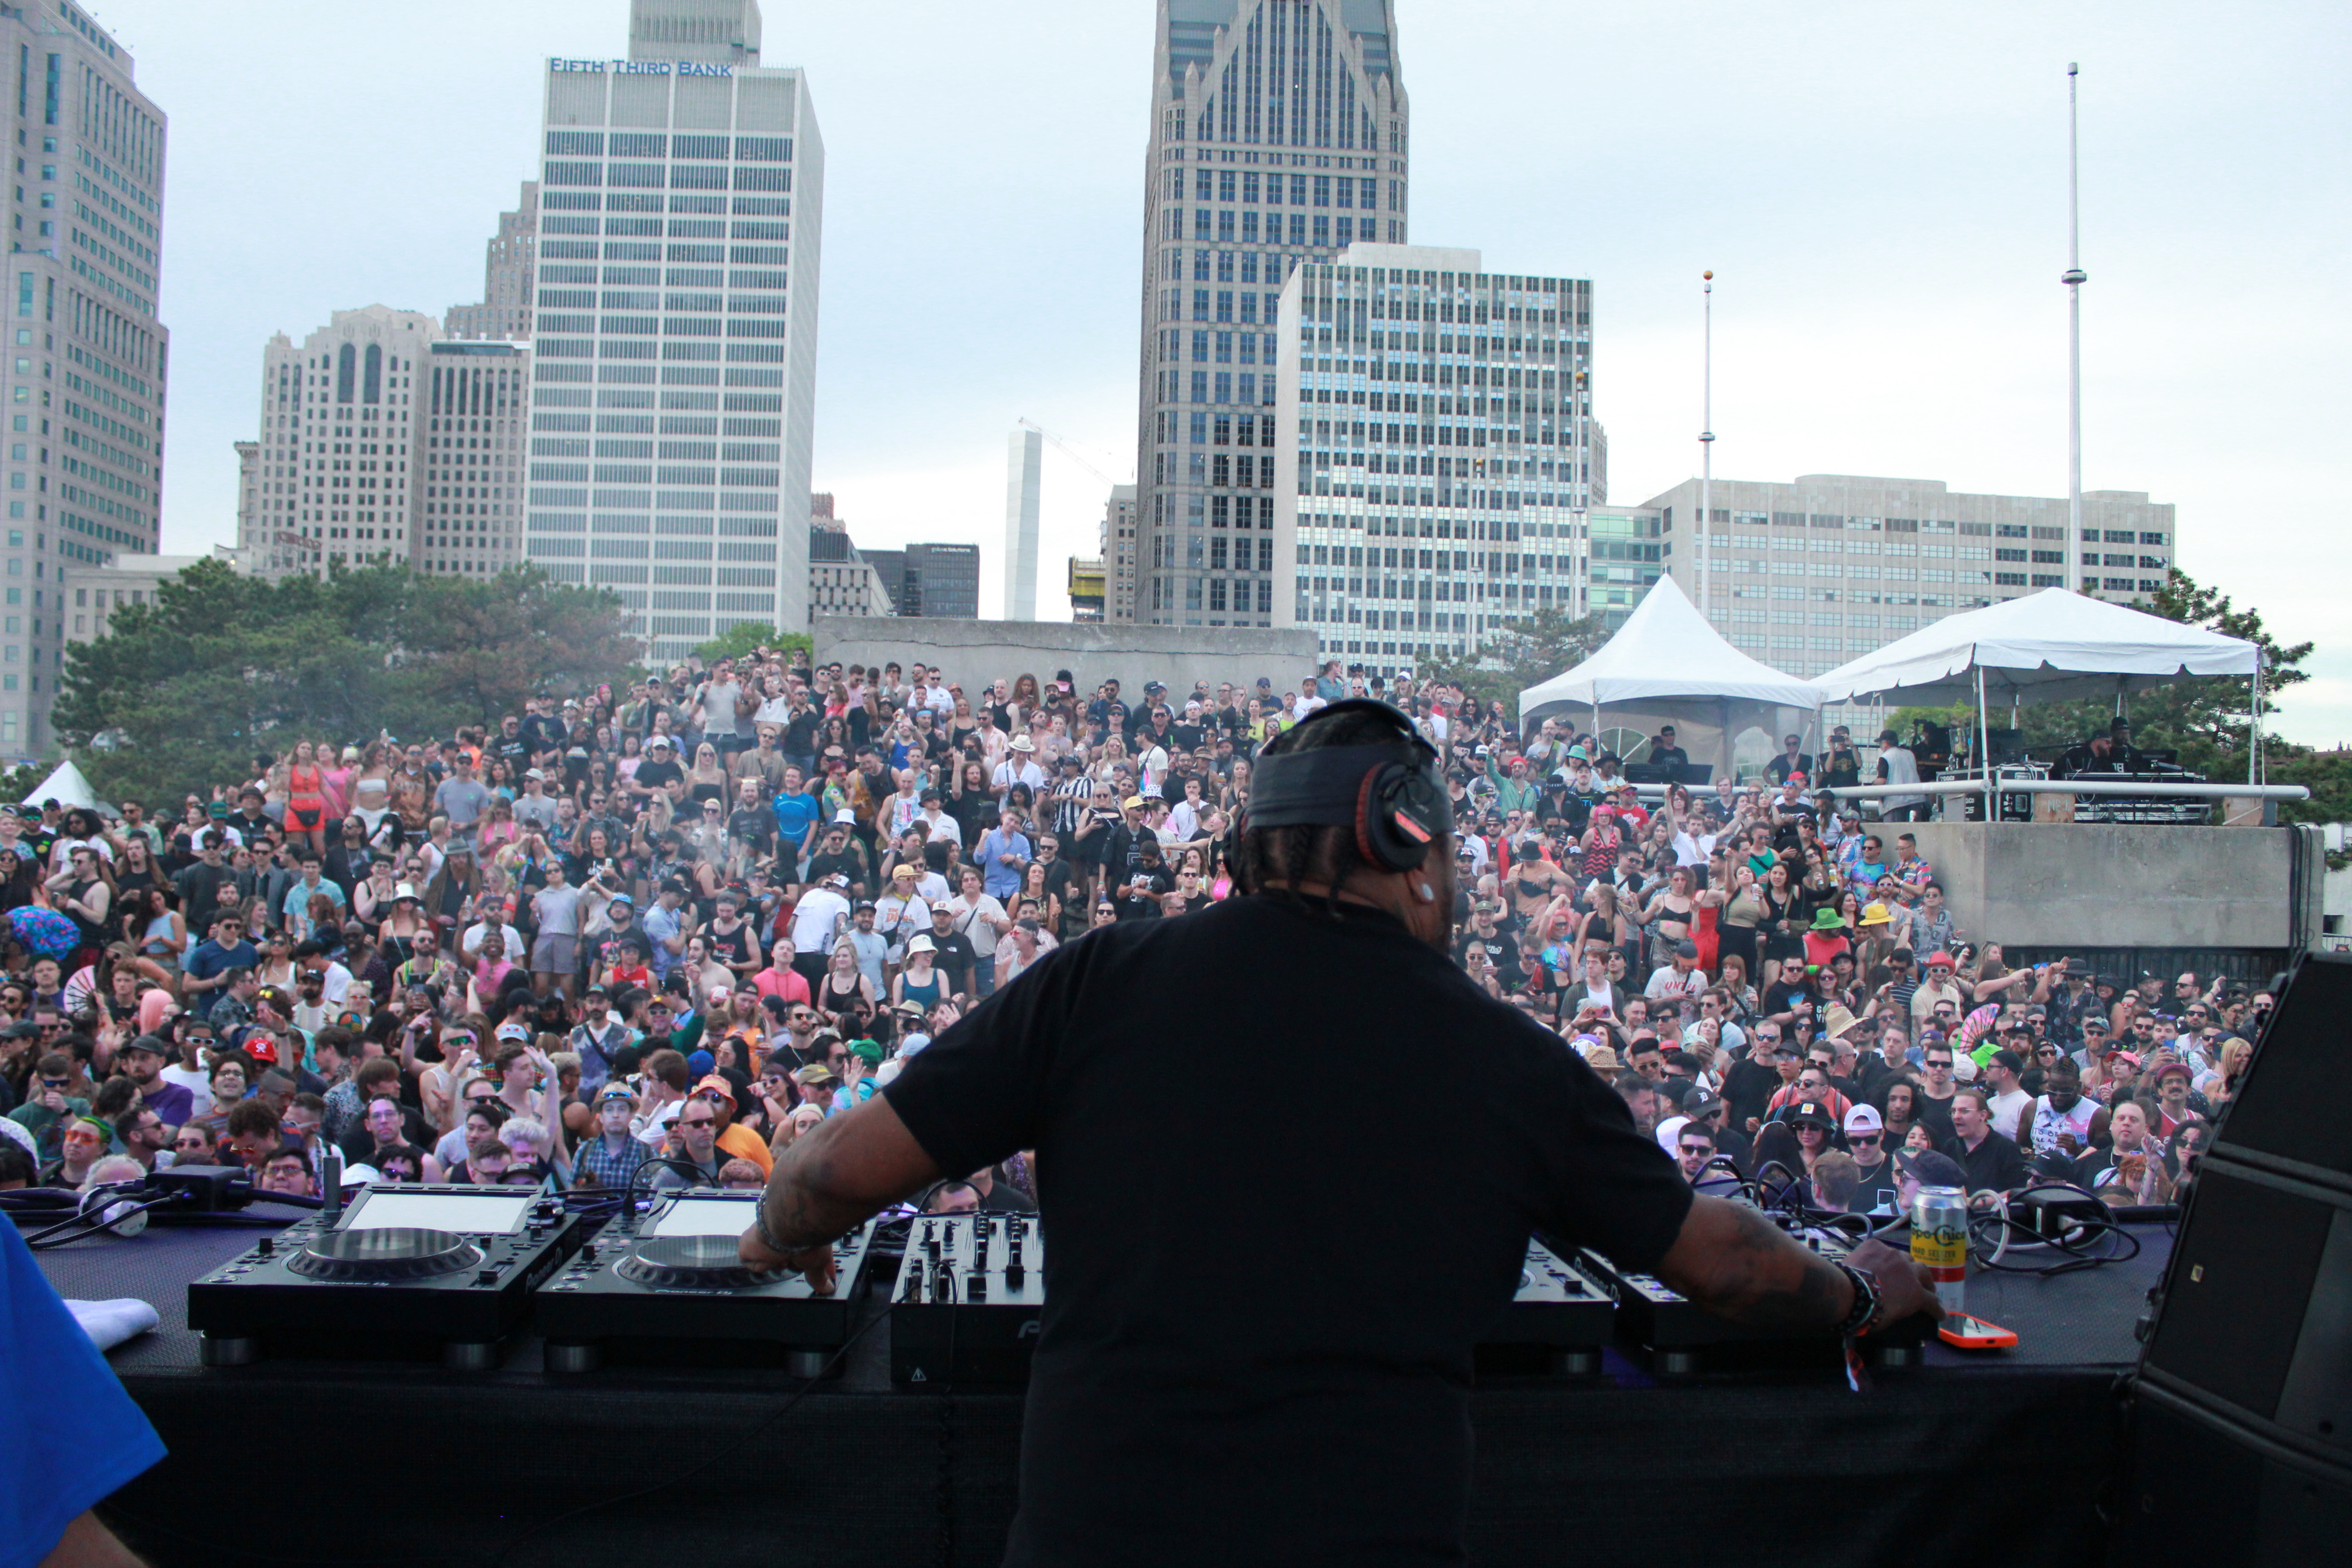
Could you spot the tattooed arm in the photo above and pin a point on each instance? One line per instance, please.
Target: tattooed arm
(1736, 1263)
(831, 1180)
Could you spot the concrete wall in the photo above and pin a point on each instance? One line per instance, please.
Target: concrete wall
(975, 652)
(2076, 884)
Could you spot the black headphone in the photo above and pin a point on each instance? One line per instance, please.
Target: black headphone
(1388, 792)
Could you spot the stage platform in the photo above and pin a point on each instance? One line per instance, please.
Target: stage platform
(356, 1462)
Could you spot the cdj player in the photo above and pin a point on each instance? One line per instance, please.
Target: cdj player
(401, 1268)
(1684, 1338)
(667, 1286)
(1559, 1321)
(969, 1297)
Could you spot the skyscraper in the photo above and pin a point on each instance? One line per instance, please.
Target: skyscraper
(476, 398)
(680, 205)
(83, 377)
(1279, 134)
(1428, 463)
(341, 450)
(510, 269)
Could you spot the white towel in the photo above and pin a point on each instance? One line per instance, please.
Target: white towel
(108, 1323)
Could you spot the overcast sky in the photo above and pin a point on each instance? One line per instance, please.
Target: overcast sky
(1879, 187)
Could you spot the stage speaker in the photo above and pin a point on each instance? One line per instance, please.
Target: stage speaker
(2242, 1435)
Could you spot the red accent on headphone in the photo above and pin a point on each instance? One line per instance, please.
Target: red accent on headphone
(1363, 815)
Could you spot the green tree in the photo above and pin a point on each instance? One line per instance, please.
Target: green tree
(185, 692)
(1518, 654)
(746, 638)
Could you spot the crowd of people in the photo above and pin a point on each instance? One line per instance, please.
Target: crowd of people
(654, 933)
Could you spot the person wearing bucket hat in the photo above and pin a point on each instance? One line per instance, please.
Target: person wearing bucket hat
(1827, 937)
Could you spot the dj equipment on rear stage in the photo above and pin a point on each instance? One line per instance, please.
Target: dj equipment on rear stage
(2246, 1381)
(667, 1287)
(401, 1268)
(1684, 1338)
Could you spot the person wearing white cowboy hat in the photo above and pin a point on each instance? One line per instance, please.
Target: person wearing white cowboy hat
(1019, 767)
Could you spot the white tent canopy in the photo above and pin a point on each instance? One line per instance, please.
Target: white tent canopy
(1668, 664)
(2046, 648)
(66, 787)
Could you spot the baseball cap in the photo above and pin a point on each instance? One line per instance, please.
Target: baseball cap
(2171, 1068)
(261, 1048)
(896, 872)
(1685, 948)
(1930, 1169)
(514, 1032)
(867, 1051)
(814, 1074)
(712, 1080)
(1816, 1112)
(622, 901)
(1864, 1119)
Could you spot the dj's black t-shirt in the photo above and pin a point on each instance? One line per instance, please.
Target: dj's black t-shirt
(1260, 1308)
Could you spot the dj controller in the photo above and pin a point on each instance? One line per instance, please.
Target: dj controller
(1683, 1338)
(968, 1299)
(666, 1286)
(403, 1270)
(400, 1267)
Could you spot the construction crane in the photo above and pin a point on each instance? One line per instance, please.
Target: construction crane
(1068, 451)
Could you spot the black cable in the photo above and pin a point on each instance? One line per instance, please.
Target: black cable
(91, 1220)
(2081, 1232)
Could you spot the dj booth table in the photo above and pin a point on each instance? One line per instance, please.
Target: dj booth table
(401, 1462)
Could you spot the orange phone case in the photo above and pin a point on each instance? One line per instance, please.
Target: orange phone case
(1974, 1334)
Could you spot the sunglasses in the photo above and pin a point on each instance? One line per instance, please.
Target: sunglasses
(696, 1121)
(1861, 1137)
(56, 1082)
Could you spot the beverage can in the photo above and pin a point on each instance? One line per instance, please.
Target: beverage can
(1940, 1242)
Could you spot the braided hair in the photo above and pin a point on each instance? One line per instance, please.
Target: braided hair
(1309, 853)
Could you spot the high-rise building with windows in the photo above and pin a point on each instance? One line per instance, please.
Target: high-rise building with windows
(86, 363)
(681, 195)
(1114, 601)
(1279, 135)
(474, 408)
(1806, 575)
(1430, 464)
(340, 456)
(942, 582)
(510, 271)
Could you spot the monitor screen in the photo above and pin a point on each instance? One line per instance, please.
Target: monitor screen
(705, 1216)
(493, 1210)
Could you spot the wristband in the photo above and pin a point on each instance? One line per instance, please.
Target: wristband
(767, 1237)
(1858, 1318)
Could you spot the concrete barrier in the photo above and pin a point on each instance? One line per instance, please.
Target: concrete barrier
(2075, 884)
(975, 652)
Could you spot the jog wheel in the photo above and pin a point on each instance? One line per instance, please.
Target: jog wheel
(375, 1257)
(691, 1263)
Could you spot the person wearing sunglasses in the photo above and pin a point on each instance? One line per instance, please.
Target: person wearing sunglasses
(692, 1148)
(1875, 1174)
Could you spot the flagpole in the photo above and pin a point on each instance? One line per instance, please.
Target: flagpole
(2074, 278)
(1706, 437)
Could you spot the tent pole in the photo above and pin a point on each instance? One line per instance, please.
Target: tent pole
(1984, 746)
